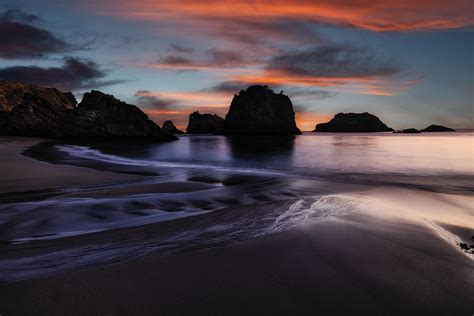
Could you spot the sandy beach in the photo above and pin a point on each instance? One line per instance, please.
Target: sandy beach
(355, 264)
(20, 173)
(398, 253)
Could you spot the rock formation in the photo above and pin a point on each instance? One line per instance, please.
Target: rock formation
(29, 110)
(353, 123)
(204, 123)
(169, 127)
(14, 94)
(408, 131)
(438, 128)
(258, 110)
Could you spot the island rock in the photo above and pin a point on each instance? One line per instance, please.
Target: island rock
(169, 127)
(28, 110)
(408, 131)
(438, 128)
(204, 123)
(258, 110)
(353, 123)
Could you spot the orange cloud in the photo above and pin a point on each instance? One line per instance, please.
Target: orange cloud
(382, 15)
(199, 67)
(185, 102)
(356, 85)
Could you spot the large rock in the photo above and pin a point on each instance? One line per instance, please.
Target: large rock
(169, 127)
(258, 110)
(28, 110)
(14, 94)
(437, 128)
(104, 116)
(353, 123)
(204, 123)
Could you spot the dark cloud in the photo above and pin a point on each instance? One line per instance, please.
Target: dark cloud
(176, 60)
(74, 74)
(334, 61)
(233, 86)
(260, 34)
(313, 94)
(149, 101)
(20, 41)
(222, 57)
(292, 92)
(180, 49)
(18, 15)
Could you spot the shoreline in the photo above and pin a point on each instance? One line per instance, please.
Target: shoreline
(21, 174)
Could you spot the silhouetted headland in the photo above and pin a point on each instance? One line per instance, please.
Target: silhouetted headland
(29, 110)
(353, 123)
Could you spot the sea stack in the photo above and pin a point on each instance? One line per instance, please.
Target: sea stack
(169, 127)
(437, 128)
(29, 110)
(258, 110)
(410, 131)
(353, 123)
(204, 123)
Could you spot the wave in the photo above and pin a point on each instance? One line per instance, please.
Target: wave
(89, 153)
(209, 230)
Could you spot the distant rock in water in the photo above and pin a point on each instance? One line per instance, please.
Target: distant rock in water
(438, 128)
(408, 131)
(169, 127)
(204, 123)
(29, 110)
(353, 123)
(258, 110)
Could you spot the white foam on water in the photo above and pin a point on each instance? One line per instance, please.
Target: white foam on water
(447, 236)
(233, 227)
(89, 153)
(304, 211)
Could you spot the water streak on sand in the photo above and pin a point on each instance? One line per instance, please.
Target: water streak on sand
(226, 226)
(88, 153)
(447, 236)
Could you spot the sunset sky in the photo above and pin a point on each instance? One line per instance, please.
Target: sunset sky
(408, 61)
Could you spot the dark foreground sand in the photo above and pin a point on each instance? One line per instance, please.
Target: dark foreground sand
(351, 264)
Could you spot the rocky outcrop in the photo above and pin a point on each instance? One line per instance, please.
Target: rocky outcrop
(13, 94)
(103, 116)
(437, 128)
(169, 127)
(258, 110)
(408, 131)
(204, 123)
(353, 123)
(28, 110)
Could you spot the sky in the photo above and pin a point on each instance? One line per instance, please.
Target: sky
(410, 62)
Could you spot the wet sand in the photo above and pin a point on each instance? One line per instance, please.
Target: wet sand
(21, 174)
(349, 265)
(402, 261)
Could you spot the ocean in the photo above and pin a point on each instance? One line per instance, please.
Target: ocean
(218, 190)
